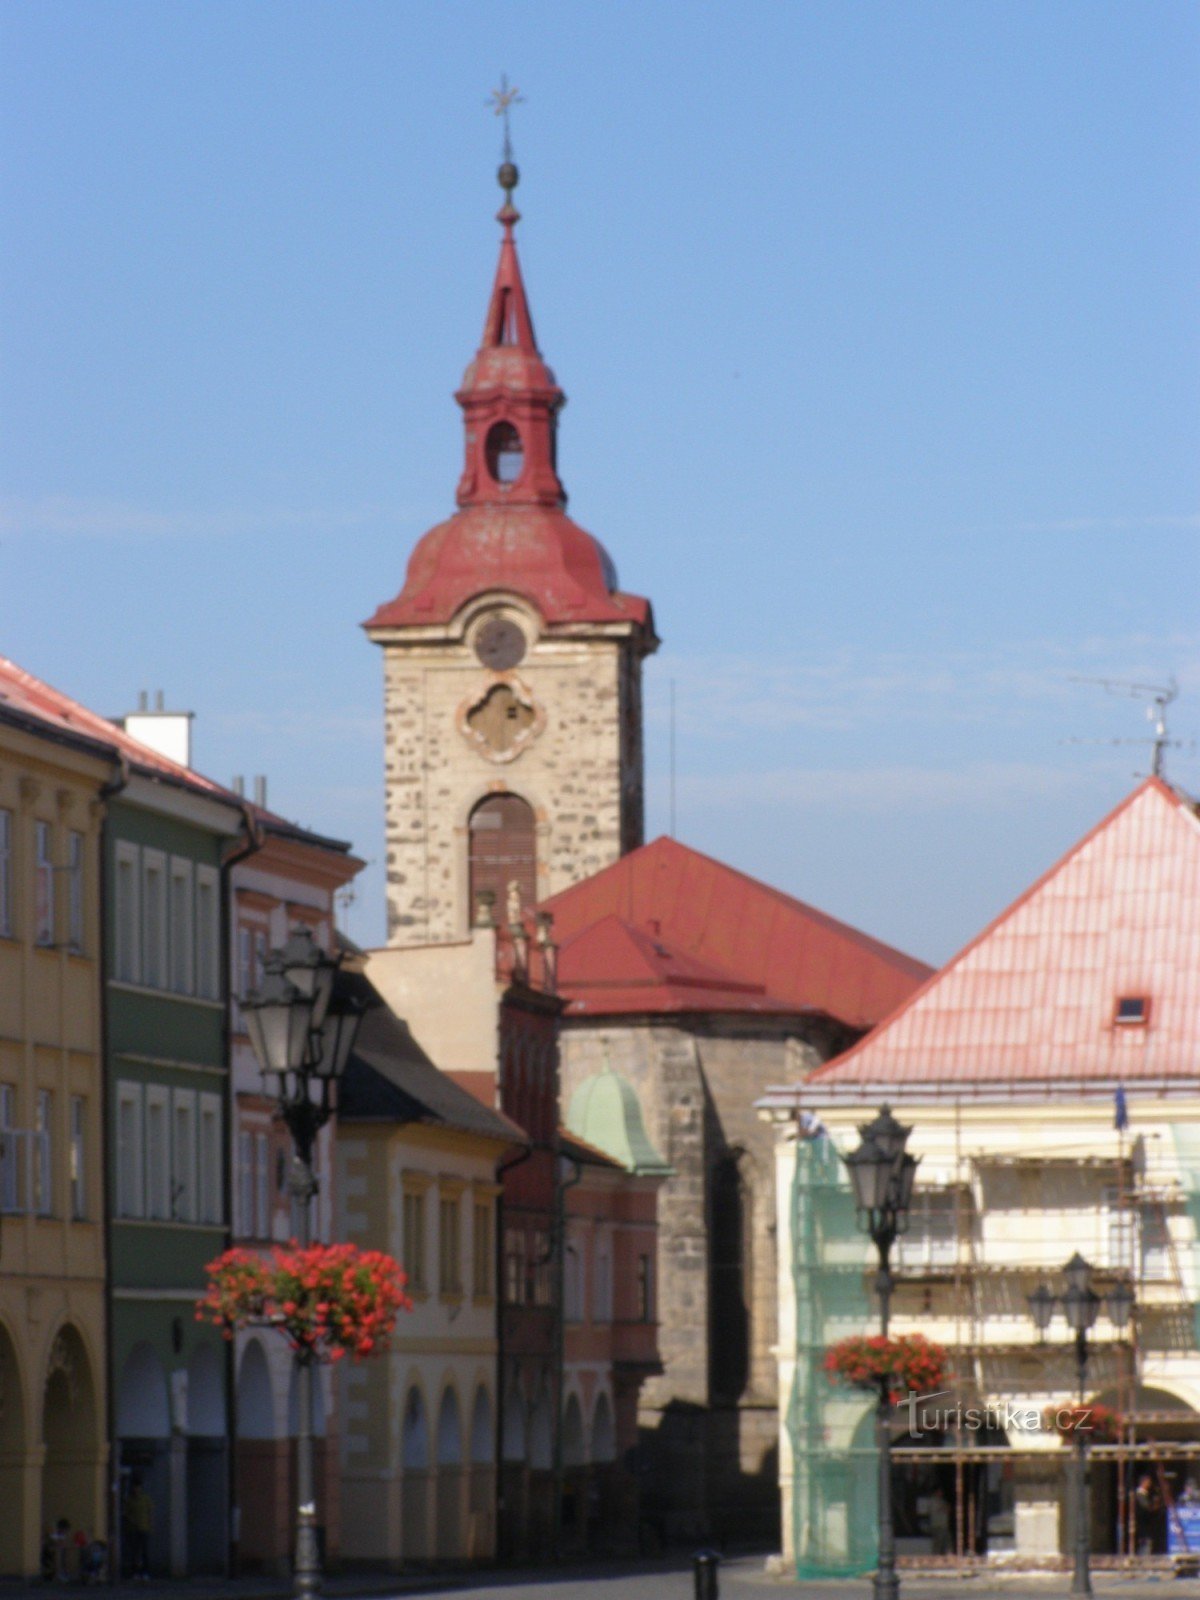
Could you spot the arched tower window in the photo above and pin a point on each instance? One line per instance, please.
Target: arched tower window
(503, 851)
(505, 452)
(729, 1258)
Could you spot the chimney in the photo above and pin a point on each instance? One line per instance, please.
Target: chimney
(260, 791)
(167, 732)
(239, 786)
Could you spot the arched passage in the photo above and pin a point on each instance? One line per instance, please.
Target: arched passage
(482, 1443)
(541, 1435)
(514, 1427)
(449, 1479)
(13, 1443)
(415, 1496)
(503, 851)
(255, 1405)
(206, 1464)
(604, 1438)
(71, 1433)
(143, 1409)
(574, 1450)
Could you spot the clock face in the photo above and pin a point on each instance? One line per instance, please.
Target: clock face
(500, 644)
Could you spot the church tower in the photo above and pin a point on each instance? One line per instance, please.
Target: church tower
(512, 663)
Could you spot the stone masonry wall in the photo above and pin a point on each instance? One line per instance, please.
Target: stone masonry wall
(574, 770)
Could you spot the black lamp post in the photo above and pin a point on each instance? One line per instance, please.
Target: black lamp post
(1081, 1306)
(302, 1033)
(882, 1174)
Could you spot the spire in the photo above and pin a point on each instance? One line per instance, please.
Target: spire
(509, 396)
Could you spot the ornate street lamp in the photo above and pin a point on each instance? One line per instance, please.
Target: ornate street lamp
(882, 1173)
(302, 1032)
(1080, 1306)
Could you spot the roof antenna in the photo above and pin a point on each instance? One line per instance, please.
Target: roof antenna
(1160, 697)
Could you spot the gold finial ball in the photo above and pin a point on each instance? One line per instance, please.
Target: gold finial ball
(508, 176)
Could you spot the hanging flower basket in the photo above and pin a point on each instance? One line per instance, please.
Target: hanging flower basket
(329, 1299)
(910, 1363)
(1099, 1423)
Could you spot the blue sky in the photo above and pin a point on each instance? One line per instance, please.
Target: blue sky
(880, 334)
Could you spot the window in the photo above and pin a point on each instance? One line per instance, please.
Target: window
(262, 1177)
(210, 1158)
(182, 977)
(502, 850)
(932, 1237)
(43, 1150)
(542, 1287)
(158, 1153)
(43, 885)
(504, 451)
(130, 1201)
(482, 1250)
(449, 1246)
(154, 919)
(183, 1153)
(128, 919)
(572, 1284)
(246, 1177)
(645, 1290)
(10, 1151)
(78, 1170)
(75, 890)
(6, 874)
(602, 1307)
(1157, 1261)
(514, 1266)
(1132, 1010)
(208, 934)
(414, 1240)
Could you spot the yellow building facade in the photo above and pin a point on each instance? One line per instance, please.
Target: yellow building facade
(53, 1448)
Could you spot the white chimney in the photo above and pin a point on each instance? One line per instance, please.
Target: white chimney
(168, 732)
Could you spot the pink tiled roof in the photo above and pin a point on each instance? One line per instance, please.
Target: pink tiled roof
(1032, 999)
(28, 695)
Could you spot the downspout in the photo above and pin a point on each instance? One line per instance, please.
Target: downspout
(251, 843)
(108, 791)
(560, 1324)
(498, 1250)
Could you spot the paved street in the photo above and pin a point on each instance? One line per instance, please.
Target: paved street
(742, 1578)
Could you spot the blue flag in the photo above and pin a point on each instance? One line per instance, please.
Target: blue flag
(1120, 1110)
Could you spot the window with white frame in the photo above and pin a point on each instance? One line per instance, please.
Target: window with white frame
(127, 915)
(10, 1151)
(932, 1237)
(158, 1152)
(449, 1244)
(261, 1227)
(130, 1201)
(43, 1155)
(154, 919)
(245, 1182)
(208, 934)
(6, 873)
(182, 925)
(43, 883)
(183, 1155)
(75, 905)
(484, 1250)
(210, 1158)
(78, 1152)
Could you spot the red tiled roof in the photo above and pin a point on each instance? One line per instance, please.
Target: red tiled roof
(668, 929)
(1032, 999)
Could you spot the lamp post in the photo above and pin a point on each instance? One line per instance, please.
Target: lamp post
(302, 1032)
(1081, 1306)
(882, 1173)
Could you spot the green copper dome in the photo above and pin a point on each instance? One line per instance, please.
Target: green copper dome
(605, 1111)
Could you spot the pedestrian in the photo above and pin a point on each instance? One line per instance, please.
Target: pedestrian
(939, 1522)
(139, 1519)
(1147, 1503)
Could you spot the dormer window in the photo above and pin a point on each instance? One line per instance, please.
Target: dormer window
(505, 452)
(1132, 1010)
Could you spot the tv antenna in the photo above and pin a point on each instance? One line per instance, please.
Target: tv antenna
(1159, 696)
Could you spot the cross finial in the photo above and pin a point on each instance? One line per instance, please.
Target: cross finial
(501, 100)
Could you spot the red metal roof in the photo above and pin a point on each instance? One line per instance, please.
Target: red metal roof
(1032, 999)
(510, 535)
(668, 929)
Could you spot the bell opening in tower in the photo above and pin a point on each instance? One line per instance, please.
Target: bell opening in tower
(503, 855)
(505, 452)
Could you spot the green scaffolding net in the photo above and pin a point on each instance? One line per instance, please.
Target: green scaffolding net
(835, 1491)
(1187, 1153)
